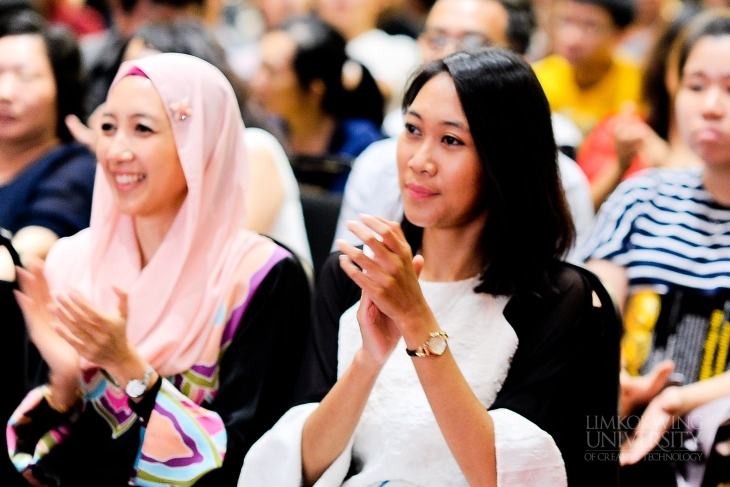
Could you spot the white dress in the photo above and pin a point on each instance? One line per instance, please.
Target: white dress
(397, 439)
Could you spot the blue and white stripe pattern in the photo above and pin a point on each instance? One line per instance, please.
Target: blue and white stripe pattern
(666, 229)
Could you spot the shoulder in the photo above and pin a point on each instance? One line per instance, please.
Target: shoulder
(72, 162)
(552, 67)
(561, 310)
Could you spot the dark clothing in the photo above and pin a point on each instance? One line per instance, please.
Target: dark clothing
(563, 377)
(53, 192)
(255, 381)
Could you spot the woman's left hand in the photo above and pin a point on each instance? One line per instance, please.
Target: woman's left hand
(97, 337)
(390, 277)
(658, 417)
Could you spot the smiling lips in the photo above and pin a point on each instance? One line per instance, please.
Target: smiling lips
(128, 181)
(417, 192)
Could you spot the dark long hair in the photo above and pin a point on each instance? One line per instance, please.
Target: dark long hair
(529, 225)
(65, 58)
(320, 54)
(653, 83)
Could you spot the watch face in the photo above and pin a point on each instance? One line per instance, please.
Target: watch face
(437, 345)
(135, 388)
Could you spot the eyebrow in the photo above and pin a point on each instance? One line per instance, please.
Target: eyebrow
(134, 115)
(448, 123)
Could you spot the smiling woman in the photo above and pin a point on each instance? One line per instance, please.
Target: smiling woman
(497, 331)
(158, 322)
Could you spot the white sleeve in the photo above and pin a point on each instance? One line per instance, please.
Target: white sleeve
(276, 458)
(526, 455)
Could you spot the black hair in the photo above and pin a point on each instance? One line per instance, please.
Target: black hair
(320, 54)
(10, 7)
(529, 225)
(653, 83)
(622, 12)
(189, 36)
(713, 23)
(65, 58)
(521, 23)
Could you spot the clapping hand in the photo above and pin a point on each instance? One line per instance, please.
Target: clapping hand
(389, 282)
(36, 303)
(97, 337)
(658, 417)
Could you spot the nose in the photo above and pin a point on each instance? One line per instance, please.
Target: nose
(118, 150)
(422, 159)
(713, 103)
(8, 86)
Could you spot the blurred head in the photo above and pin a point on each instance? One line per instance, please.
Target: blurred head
(703, 99)
(276, 12)
(585, 32)
(37, 63)
(189, 36)
(474, 107)
(350, 17)
(660, 78)
(129, 15)
(304, 64)
(455, 25)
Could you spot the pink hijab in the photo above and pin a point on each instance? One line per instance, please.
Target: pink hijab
(203, 267)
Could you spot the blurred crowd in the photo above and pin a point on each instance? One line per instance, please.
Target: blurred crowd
(320, 85)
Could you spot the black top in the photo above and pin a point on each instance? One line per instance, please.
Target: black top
(563, 376)
(257, 375)
(53, 192)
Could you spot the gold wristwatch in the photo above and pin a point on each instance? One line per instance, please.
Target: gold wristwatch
(435, 345)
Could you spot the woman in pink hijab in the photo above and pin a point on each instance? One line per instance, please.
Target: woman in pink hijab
(172, 335)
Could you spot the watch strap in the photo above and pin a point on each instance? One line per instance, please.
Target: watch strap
(425, 350)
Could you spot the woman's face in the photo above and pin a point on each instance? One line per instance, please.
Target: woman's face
(275, 84)
(703, 100)
(137, 151)
(439, 167)
(28, 110)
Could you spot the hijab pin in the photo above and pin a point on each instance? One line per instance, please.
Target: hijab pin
(181, 109)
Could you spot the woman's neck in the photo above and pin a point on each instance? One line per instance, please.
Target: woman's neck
(310, 133)
(452, 255)
(717, 182)
(151, 231)
(16, 156)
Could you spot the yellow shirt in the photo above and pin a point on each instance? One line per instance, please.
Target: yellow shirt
(586, 108)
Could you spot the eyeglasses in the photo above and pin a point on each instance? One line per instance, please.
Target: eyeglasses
(438, 41)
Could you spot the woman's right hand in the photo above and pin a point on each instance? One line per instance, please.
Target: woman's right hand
(379, 333)
(36, 303)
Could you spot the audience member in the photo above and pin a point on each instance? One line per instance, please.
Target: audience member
(390, 59)
(46, 179)
(642, 33)
(372, 187)
(103, 53)
(584, 79)
(625, 143)
(329, 104)
(172, 335)
(79, 18)
(496, 403)
(273, 206)
(661, 240)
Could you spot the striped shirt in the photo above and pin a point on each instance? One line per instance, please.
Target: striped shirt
(666, 230)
